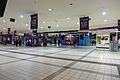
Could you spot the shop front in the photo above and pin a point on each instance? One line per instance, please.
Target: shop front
(104, 37)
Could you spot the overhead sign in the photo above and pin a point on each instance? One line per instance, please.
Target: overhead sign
(34, 21)
(84, 23)
(3, 4)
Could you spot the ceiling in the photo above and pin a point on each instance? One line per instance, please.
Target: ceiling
(61, 10)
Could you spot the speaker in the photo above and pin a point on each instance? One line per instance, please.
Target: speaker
(2, 7)
(49, 27)
(12, 20)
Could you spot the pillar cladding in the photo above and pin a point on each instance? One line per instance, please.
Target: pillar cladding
(118, 29)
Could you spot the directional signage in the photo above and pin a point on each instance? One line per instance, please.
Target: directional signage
(34, 21)
(84, 23)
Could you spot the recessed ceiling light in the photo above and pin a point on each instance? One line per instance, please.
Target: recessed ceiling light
(4, 28)
(49, 9)
(41, 27)
(57, 25)
(68, 18)
(21, 16)
(3, 20)
(26, 24)
(105, 20)
(29, 29)
(43, 21)
(78, 23)
(103, 13)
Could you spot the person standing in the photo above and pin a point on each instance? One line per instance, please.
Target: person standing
(5, 40)
(55, 40)
(52, 40)
(59, 39)
(20, 42)
(16, 42)
(74, 41)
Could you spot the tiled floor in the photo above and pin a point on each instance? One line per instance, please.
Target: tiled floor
(50, 63)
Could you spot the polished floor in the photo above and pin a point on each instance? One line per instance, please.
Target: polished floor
(51, 63)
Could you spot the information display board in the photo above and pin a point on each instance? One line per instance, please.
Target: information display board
(84, 23)
(34, 21)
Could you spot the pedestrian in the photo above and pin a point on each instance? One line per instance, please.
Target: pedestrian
(16, 42)
(59, 39)
(20, 42)
(55, 40)
(74, 42)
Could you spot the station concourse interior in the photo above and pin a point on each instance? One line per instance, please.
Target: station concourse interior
(59, 39)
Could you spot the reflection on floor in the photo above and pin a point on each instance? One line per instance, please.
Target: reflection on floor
(50, 63)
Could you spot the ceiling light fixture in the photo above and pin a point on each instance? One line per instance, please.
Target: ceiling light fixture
(78, 23)
(57, 25)
(49, 9)
(41, 27)
(4, 28)
(3, 20)
(43, 21)
(29, 29)
(21, 16)
(103, 13)
(105, 20)
(68, 18)
(26, 24)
